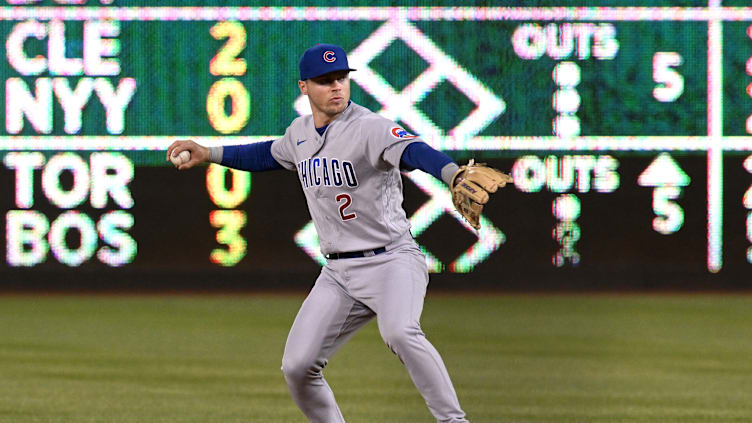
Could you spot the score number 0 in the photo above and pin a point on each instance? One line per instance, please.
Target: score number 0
(227, 64)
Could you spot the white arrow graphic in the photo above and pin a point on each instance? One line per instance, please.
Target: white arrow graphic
(667, 177)
(664, 171)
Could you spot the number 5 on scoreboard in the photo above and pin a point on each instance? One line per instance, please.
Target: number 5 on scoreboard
(670, 82)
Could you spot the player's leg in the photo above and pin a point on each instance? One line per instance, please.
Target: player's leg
(396, 291)
(327, 318)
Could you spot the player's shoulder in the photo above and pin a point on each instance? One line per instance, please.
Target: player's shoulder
(374, 124)
(297, 127)
(364, 115)
(300, 122)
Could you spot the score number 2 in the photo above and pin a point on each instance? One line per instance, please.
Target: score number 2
(670, 82)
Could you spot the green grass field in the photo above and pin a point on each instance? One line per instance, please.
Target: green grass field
(570, 358)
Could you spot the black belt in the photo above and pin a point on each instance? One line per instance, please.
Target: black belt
(355, 254)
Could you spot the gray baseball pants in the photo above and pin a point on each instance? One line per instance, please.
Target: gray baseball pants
(348, 293)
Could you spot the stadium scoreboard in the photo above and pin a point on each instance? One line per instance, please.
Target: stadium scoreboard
(627, 126)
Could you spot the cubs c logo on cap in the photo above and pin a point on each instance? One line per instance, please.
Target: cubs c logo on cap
(398, 132)
(329, 56)
(322, 59)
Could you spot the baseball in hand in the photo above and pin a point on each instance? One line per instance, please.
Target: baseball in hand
(183, 157)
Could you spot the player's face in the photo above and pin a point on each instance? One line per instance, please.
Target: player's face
(328, 94)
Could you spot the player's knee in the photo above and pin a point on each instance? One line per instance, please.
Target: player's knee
(298, 368)
(400, 338)
(294, 369)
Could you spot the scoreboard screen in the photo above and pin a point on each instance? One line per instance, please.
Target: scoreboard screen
(627, 126)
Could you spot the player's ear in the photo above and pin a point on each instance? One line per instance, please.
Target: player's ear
(303, 87)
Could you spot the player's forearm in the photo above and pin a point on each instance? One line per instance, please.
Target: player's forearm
(252, 157)
(421, 156)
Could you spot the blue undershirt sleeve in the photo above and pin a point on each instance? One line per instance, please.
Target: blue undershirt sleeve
(254, 157)
(420, 155)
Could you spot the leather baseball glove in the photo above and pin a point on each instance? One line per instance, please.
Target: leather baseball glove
(471, 185)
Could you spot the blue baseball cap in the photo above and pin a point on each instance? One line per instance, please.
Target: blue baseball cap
(322, 59)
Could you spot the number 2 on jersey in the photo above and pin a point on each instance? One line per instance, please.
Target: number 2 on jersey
(344, 205)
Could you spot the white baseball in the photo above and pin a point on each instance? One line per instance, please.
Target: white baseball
(183, 157)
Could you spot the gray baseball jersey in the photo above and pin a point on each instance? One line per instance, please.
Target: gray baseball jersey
(350, 177)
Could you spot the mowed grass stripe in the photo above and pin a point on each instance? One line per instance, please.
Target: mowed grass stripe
(570, 358)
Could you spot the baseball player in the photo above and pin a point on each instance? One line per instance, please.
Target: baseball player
(348, 160)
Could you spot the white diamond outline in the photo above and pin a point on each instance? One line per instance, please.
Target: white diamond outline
(401, 106)
(489, 236)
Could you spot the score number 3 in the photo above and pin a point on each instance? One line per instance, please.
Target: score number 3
(670, 82)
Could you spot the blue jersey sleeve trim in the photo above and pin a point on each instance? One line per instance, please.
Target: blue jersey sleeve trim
(255, 157)
(420, 155)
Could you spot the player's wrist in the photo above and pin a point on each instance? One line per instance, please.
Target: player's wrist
(448, 173)
(214, 154)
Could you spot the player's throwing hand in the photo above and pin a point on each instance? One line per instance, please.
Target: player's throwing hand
(198, 154)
